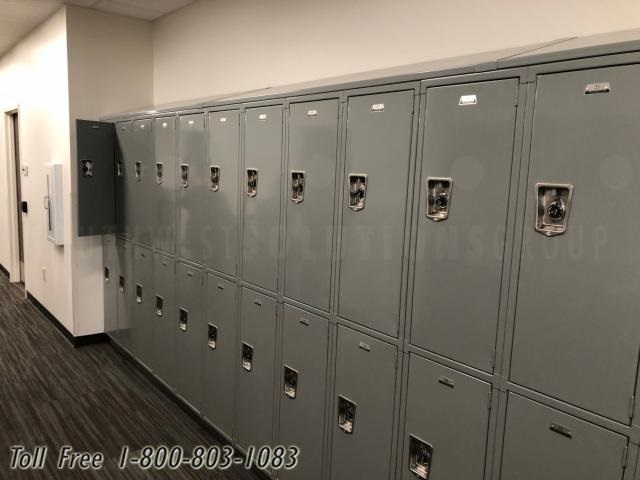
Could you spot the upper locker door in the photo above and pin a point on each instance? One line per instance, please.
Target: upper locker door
(125, 179)
(462, 212)
(191, 185)
(144, 177)
(577, 333)
(313, 151)
(164, 198)
(261, 194)
(379, 134)
(221, 230)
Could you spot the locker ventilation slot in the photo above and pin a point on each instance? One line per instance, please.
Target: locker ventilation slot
(420, 457)
(247, 356)
(159, 305)
(346, 414)
(212, 336)
(183, 320)
(290, 382)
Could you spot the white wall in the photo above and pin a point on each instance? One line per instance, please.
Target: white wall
(221, 46)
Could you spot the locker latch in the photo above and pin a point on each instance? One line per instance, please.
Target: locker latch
(214, 178)
(357, 191)
(119, 168)
(138, 293)
(420, 457)
(346, 414)
(87, 168)
(297, 186)
(106, 274)
(138, 171)
(552, 212)
(438, 198)
(247, 356)
(159, 172)
(252, 182)
(121, 284)
(184, 175)
(212, 336)
(183, 319)
(290, 382)
(159, 305)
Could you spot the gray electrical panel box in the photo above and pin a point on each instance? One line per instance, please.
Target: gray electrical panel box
(379, 133)
(447, 420)
(125, 293)
(364, 406)
(110, 280)
(125, 179)
(142, 142)
(163, 171)
(142, 326)
(165, 310)
(220, 354)
(311, 176)
(256, 362)
(577, 334)
(303, 383)
(95, 178)
(261, 195)
(541, 442)
(460, 244)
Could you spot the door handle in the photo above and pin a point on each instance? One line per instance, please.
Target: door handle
(358, 183)
(184, 175)
(438, 198)
(214, 178)
(553, 201)
(183, 321)
(252, 182)
(212, 336)
(420, 457)
(247, 357)
(290, 382)
(159, 173)
(297, 186)
(138, 171)
(346, 415)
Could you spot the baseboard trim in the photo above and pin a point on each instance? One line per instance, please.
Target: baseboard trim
(4, 270)
(79, 341)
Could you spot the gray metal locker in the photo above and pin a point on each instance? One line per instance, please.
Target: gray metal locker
(125, 179)
(144, 206)
(125, 293)
(165, 332)
(303, 383)
(256, 363)
(142, 321)
(95, 178)
(466, 166)
(261, 195)
(220, 354)
(577, 334)
(364, 407)
(379, 134)
(446, 425)
(164, 180)
(541, 442)
(191, 182)
(190, 325)
(221, 224)
(110, 279)
(311, 172)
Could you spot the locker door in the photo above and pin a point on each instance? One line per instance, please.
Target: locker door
(164, 172)
(144, 179)
(110, 279)
(256, 362)
(191, 183)
(191, 333)
(577, 333)
(125, 179)
(261, 195)
(468, 142)
(363, 423)
(446, 424)
(379, 130)
(221, 234)
(220, 354)
(125, 293)
(313, 150)
(143, 305)
(541, 442)
(164, 308)
(303, 381)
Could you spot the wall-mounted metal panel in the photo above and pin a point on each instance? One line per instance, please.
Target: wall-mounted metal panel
(311, 171)
(164, 180)
(191, 336)
(165, 332)
(379, 134)
(125, 179)
(95, 178)
(256, 363)
(303, 382)
(221, 227)
(447, 420)
(541, 442)
(364, 406)
(468, 143)
(125, 293)
(144, 179)
(220, 354)
(110, 280)
(577, 334)
(261, 196)
(142, 327)
(191, 183)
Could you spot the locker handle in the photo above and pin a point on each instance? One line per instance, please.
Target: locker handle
(346, 415)
(247, 357)
(138, 293)
(138, 171)
(560, 429)
(121, 284)
(214, 178)
(106, 274)
(212, 336)
(297, 186)
(290, 382)
(438, 198)
(552, 209)
(182, 323)
(159, 305)
(252, 182)
(119, 168)
(358, 183)
(87, 168)
(420, 457)
(184, 175)
(159, 173)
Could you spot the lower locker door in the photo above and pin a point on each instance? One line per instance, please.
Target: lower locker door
(125, 293)
(165, 331)
(364, 407)
(542, 443)
(303, 379)
(142, 327)
(110, 281)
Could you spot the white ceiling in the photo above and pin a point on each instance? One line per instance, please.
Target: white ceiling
(19, 17)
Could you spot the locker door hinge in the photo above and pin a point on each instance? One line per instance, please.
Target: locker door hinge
(632, 405)
(625, 452)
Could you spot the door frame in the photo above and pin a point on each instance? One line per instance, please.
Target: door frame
(12, 188)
